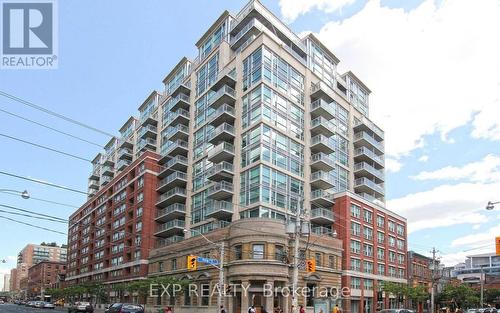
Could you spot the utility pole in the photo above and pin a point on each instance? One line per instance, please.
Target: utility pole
(434, 251)
(221, 276)
(295, 277)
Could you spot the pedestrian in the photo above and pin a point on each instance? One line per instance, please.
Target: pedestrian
(302, 310)
(251, 309)
(336, 309)
(222, 310)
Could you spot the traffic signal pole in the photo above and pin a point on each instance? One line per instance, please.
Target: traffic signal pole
(295, 277)
(221, 276)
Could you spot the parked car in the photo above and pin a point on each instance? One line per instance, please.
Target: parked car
(125, 308)
(81, 307)
(39, 304)
(31, 304)
(48, 305)
(395, 311)
(472, 311)
(490, 310)
(1, 302)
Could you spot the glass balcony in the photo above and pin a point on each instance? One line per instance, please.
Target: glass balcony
(169, 228)
(108, 170)
(320, 107)
(322, 143)
(364, 185)
(181, 101)
(149, 119)
(182, 87)
(322, 180)
(321, 230)
(179, 116)
(221, 171)
(362, 138)
(322, 216)
(176, 179)
(225, 77)
(223, 114)
(321, 125)
(173, 148)
(224, 95)
(148, 131)
(146, 144)
(179, 131)
(222, 152)
(321, 91)
(163, 242)
(253, 27)
(174, 195)
(105, 180)
(219, 209)
(173, 211)
(220, 190)
(93, 184)
(322, 161)
(366, 125)
(125, 143)
(125, 154)
(96, 173)
(366, 155)
(322, 198)
(177, 163)
(365, 169)
(122, 164)
(224, 132)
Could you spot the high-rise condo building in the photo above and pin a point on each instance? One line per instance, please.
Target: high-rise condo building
(257, 129)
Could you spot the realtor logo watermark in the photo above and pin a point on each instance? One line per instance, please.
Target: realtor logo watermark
(29, 34)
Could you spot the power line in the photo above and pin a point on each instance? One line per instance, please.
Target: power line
(51, 128)
(38, 181)
(28, 211)
(68, 119)
(45, 147)
(28, 224)
(32, 216)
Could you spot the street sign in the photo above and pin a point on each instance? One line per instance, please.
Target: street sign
(207, 260)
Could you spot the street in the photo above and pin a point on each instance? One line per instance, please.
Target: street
(14, 308)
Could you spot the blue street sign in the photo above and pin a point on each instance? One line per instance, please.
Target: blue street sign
(207, 260)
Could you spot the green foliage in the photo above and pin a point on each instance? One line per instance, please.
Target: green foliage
(417, 293)
(461, 296)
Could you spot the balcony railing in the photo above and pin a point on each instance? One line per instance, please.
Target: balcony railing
(174, 210)
(146, 143)
(323, 108)
(221, 152)
(177, 131)
(363, 181)
(176, 194)
(175, 117)
(179, 101)
(220, 171)
(322, 125)
(223, 132)
(122, 164)
(320, 215)
(223, 114)
(224, 95)
(322, 197)
(219, 209)
(172, 179)
(148, 131)
(219, 190)
(125, 153)
(168, 241)
(369, 125)
(370, 154)
(363, 166)
(322, 161)
(172, 145)
(323, 143)
(171, 226)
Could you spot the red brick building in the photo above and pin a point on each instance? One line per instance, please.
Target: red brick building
(420, 274)
(375, 245)
(110, 236)
(43, 276)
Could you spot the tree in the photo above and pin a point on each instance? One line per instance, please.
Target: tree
(461, 296)
(492, 296)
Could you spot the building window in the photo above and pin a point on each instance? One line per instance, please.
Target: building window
(400, 230)
(138, 226)
(391, 226)
(355, 229)
(368, 250)
(368, 284)
(355, 265)
(367, 233)
(279, 253)
(392, 241)
(367, 216)
(355, 283)
(380, 237)
(140, 197)
(368, 267)
(138, 212)
(238, 252)
(332, 260)
(140, 182)
(205, 294)
(380, 254)
(173, 264)
(318, 258)
(381, 269)
(258, 251)
(355, 246)
(355, 211)
(160, 267)
(380, 221)
(392, 256)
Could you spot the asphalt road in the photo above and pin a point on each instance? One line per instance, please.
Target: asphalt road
(14, 308)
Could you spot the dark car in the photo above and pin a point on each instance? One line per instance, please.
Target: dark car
(490, 310)
(125, 308)
(81, 307)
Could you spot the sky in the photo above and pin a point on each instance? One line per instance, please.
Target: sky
(432, 67)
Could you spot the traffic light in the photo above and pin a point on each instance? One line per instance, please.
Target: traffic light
(311, 265)
(192, 263)
(497, 245)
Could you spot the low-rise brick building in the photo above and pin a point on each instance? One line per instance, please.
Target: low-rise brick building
(43, 276)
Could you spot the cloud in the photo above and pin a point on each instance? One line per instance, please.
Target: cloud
(430, 72)
(392, 165)
(485, 170)
(291, 9)
(454, 258)
(445, 205)
(423, 158)
(478, 239)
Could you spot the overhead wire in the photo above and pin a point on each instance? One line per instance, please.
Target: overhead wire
(35, 226)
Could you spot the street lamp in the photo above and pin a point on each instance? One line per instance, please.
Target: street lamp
(491, 205)
(220, 267)
(24, 194)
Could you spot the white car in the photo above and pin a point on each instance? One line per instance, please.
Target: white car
(1, 302)
(48, 305)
